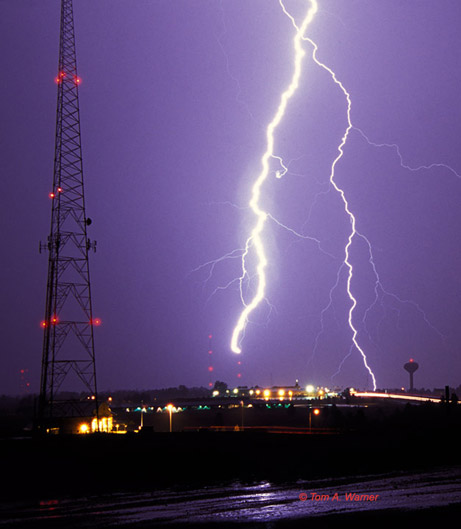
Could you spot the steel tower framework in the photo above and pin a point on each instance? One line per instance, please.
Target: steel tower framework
(68, 342)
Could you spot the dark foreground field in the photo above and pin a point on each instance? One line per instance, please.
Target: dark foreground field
(72, 465)
(250, 479)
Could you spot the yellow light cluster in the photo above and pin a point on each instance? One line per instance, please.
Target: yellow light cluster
(105, 424)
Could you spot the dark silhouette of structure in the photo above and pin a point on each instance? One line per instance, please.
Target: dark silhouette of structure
(68, 342)
(411, 367)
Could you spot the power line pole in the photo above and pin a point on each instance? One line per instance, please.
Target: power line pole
(68, 342)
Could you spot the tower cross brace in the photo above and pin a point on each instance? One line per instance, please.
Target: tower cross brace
(68, 376)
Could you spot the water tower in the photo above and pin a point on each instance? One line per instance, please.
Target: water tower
(411, 367)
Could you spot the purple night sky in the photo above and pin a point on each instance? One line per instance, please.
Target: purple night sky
(174, 100)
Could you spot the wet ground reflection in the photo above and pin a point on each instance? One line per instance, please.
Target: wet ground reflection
(238, 502)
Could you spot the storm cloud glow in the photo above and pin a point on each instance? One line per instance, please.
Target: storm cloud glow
(344, 214)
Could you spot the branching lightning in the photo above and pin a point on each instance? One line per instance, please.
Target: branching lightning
(255, 236)
(395, 147)
(353, 232)
(234, 254)
(228, 68)
(379, 288)
(237, 253)
(254, 246)
(254, 240)
(379, 291)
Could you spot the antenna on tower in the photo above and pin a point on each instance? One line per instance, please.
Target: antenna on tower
(68, 342)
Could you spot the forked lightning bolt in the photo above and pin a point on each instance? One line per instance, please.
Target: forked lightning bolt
(254, 241)
(255, 237)
(254, 246)
(353, 232)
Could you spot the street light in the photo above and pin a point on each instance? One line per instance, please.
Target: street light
(170, 411)
(143, 410)
(314, 411)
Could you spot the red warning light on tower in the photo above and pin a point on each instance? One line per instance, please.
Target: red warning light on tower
(51, 195)
(210, 369)
(96, 322)
(77, 80)
(210, 336)
(43, 324)
(60, 77)
(54, 320)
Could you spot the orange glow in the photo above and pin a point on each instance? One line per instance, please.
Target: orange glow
(316, 411)
(54, 320)
(105, 424)
(84, 428)
(43, 324)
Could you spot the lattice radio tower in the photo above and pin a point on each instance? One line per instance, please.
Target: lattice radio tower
(68, 343)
